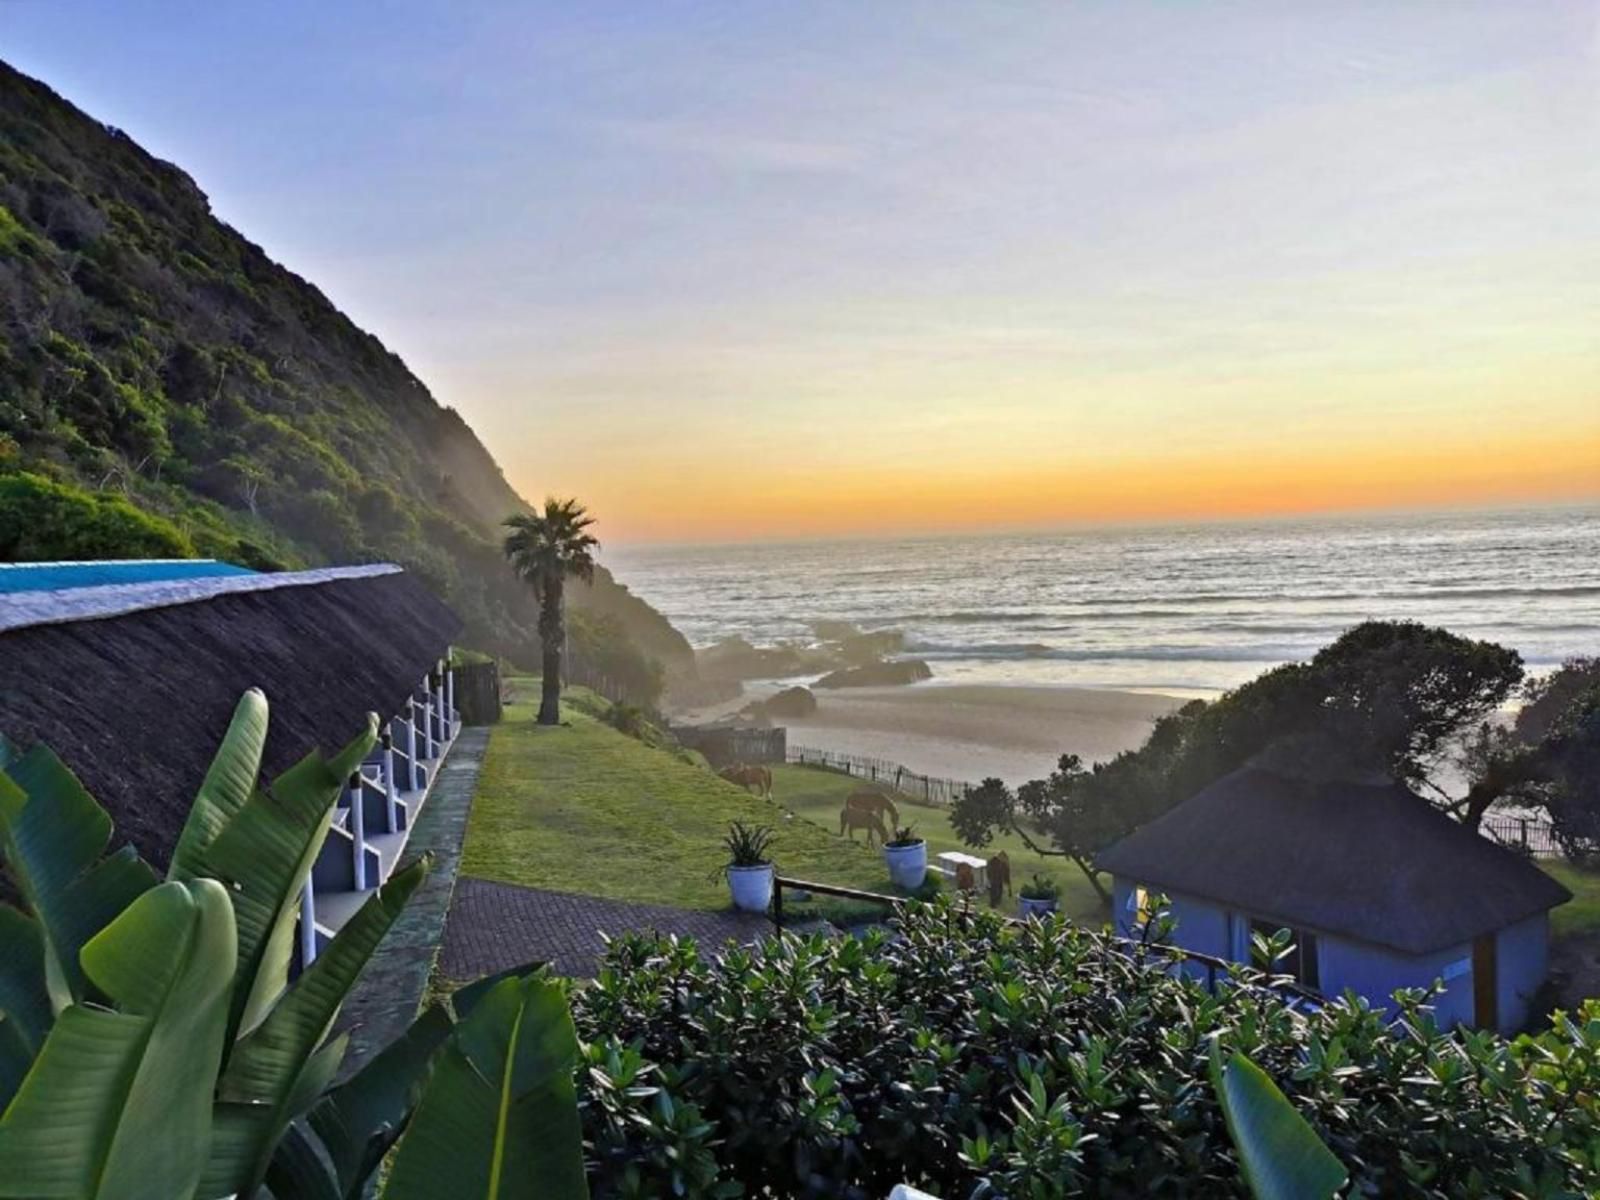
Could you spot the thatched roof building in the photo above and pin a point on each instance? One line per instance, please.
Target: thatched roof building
(1380, 889)
(133, 683)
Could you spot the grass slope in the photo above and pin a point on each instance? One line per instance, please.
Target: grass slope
(1581, 915)
(818, 795)
(582, 808)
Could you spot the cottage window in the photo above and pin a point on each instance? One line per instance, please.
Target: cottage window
(1301, 961)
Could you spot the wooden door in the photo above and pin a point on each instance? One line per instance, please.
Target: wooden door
(1485, 983)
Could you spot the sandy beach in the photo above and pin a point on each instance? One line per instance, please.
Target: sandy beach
(969, 731)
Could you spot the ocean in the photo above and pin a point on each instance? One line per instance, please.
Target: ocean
(1185, 610)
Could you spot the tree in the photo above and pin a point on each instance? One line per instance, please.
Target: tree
(1549, 758)
(1393, 695)
(544, 548)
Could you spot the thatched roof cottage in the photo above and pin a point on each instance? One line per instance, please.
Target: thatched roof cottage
(1381, 889)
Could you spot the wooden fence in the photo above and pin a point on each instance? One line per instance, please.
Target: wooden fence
(927, 788)
(477, 692)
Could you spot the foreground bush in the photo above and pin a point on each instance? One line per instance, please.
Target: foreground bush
(968, 1055)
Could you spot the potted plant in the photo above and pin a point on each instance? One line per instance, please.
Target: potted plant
(748, 869)
(1037, 897)
(907, 857)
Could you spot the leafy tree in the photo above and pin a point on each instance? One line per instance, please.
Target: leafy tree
(1395, 695)
(544, 548)
(1549, 758)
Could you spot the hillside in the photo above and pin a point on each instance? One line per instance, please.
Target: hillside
(166, 388)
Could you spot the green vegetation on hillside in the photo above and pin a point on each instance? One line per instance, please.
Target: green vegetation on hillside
(580, 807)
(154, 360)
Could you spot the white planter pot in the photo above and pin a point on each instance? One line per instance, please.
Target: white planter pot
(1035, 908)
(751, 887)
(908, 865)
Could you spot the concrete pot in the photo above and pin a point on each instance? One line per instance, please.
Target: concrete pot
(1035, 908)
(751, 887)
(908, 865)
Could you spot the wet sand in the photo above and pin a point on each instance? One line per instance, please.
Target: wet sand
(969, 731)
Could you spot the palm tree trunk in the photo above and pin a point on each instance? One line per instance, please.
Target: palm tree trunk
(552, 633)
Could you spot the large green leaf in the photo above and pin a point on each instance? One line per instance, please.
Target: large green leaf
(24, 998)
(117, 1106)
(229, 784)
(360, 1119)
(52, 836)
(264, 853)
(265, 1085)
(498, 1118)
(1281, 1156)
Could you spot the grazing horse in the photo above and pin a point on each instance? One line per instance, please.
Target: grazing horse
(749, 775)
(868, 800)
(859, 818)
(999, 876)
(966, 881)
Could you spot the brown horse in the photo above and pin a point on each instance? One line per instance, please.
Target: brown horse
(871, 801)
(999, 876)
(859, 818)
(966, 881)
(749, 775)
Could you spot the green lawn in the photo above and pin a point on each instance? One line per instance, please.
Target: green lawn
(581, 808)
(818, 794)
(1580, 915)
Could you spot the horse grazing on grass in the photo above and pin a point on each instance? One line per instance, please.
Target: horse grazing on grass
(859, 818)
(748, 775)
(868, 800)
(999, 872)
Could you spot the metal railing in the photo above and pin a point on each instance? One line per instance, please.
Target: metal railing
(1536, 835)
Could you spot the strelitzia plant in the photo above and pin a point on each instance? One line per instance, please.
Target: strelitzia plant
(151, 1042)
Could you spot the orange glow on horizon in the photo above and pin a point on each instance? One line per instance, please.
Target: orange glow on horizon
(746, 502)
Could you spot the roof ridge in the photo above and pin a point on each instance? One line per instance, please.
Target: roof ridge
(62, 606)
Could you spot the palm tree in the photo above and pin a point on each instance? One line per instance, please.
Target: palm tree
(544, 548)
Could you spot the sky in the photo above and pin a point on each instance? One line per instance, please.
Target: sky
(741, 271)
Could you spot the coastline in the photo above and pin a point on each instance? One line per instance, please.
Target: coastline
(970, 731)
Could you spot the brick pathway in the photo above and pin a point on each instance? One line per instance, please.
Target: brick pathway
(498, 925)
(386, 999)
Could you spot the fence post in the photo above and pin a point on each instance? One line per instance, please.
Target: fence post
(1524, 822)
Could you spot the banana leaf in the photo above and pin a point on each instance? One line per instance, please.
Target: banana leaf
(229, 784)
(263, 852)
(52, 836)
(358, 1121)
(498, 1117)
(117, 1106)
(24, 999)
(1280, 1155)
(266, 1083)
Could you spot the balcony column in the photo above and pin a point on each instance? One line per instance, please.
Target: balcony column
(358, 831)
(410, 735)
(308, 923)
(386, 776)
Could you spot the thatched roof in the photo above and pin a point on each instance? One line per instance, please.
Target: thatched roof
(133, 685)
(1357, 855)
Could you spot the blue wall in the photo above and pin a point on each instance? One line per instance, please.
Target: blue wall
(1373, 972)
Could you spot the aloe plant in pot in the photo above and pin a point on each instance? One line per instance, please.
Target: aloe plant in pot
(1037, 897)
(906, 855)
(749, 869)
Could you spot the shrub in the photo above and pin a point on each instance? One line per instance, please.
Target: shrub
(41, 520)
(1047, 1060)
(748, 845)
(1040, 888)
(905, 835)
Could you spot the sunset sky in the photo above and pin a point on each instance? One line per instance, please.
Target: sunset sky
(731, 271)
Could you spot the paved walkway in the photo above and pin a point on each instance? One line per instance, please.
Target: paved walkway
(387, 998)
(494, 926)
